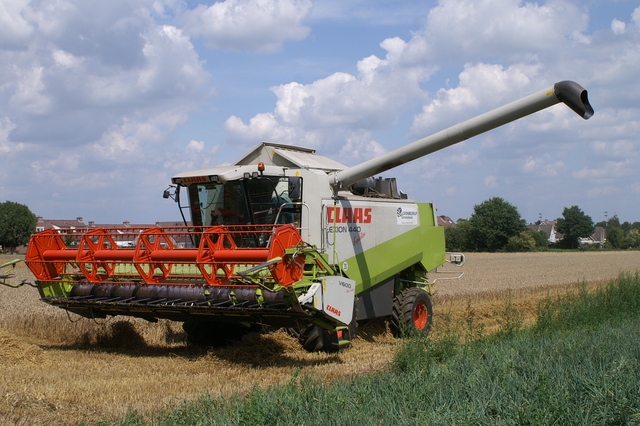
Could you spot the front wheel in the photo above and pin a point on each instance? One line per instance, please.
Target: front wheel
(412, 312)
(316, 339)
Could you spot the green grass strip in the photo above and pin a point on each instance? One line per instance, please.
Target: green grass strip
(580, 364)
(618, 300)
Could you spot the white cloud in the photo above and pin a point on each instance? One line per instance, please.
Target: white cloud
(195, 155)
(635, 16)
(607, 171)
(618, 27)
(88, 67)
(361, 147)
(530, 165)
(173, 68)
(6, 147)
(133, 140)
(15, 28)
(254, 25)
(66, 59)
(482, 86)
(467, 29)
(451, 190)
(544, 166)
(92, 98)
(616, 149)
(340, 109)
(491, 181)
(29, 95)
(261, 128)
(195, 147)
(600, 192)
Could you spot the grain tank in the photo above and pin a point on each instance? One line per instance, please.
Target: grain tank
(282, 238)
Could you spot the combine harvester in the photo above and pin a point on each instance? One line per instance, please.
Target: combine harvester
(283, 238)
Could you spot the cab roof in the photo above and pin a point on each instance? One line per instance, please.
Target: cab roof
(289, 156)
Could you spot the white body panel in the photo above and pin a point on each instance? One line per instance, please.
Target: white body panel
(356, 224)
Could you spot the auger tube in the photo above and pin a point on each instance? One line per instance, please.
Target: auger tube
(569, 92)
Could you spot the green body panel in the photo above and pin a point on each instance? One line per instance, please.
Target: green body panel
(54, 288)
(424, 245)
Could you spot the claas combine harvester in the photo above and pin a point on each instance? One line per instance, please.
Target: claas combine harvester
(283, 238)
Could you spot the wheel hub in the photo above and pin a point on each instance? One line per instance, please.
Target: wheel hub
(420, 315)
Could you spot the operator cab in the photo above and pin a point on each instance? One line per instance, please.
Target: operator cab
(245, 195)
(263, 200)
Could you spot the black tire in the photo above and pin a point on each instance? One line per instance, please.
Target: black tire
(316, 339)
(412, 312)
(212, 334)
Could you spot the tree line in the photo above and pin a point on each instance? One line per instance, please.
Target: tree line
(496, 225)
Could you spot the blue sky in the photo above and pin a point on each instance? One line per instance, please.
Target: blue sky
(102, 102)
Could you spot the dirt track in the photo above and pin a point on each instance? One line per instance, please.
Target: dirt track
(62, 369)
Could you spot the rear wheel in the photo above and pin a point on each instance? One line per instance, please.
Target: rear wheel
(412, 312)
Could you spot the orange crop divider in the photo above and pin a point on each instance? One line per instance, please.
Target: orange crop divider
(47, 242)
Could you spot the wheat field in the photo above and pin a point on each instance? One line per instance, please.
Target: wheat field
(60, 369)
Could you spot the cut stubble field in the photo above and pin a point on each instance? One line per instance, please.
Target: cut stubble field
(60, 369)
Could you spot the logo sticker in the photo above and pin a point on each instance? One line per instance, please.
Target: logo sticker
(407, 215)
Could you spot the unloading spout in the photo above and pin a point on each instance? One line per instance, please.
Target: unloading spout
(569, 92)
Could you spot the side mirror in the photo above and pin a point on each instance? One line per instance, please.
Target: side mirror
(169, 194)
(295, 188)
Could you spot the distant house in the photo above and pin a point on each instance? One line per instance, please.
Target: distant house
(599, 237)
(446, 221)
(549, 228)
(173, 224)
(127, 233)
(70, 224)
(125, 224)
